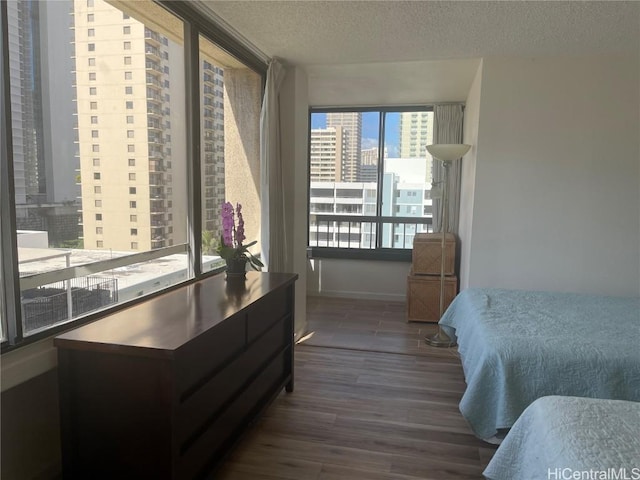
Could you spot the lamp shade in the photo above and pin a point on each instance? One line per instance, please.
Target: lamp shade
(448, 152)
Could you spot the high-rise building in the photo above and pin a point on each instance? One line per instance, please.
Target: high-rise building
(213, 178)
(416, 132)
(351, 122)
(25, 97)
(130, 131)
(328, 154)
(369, 165)
(42, 109)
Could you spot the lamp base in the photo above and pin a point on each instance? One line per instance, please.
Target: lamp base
(439, 339)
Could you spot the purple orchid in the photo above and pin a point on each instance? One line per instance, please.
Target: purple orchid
(240, 237)
(228, 224)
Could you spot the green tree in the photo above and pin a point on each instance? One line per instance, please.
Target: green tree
(209, 242)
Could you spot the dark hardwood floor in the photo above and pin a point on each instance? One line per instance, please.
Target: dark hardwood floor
(371, 401)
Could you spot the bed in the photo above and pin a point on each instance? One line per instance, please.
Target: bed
(557, 437)
(517, 346)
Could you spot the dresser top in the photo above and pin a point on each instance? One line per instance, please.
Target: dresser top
(162, 324)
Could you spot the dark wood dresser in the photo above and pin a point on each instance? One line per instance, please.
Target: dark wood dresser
(164, 389)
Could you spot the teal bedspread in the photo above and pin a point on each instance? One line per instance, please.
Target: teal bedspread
(561, 437)
(517, 346)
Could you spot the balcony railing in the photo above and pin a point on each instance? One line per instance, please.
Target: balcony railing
(58, 302)
(364, 232)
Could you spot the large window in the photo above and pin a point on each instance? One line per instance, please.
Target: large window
(112, 194)
(230, 142)
(369, 180)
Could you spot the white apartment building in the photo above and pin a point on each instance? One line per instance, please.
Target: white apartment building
(328, 154)
(328, 200)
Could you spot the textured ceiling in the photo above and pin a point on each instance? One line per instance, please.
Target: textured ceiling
(309, 32)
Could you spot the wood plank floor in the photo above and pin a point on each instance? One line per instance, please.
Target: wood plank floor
(371, 401)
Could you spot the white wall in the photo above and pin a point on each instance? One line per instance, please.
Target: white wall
(375, 280)
(398, 83)
(294, 112)
(470, 132)
(556, 201)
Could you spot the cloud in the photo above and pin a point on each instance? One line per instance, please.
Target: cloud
(369, 143)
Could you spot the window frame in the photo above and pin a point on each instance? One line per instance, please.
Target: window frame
(378, 252)
(195, 24)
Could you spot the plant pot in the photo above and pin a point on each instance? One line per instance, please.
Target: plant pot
(236, 267)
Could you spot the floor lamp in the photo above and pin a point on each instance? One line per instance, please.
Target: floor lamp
(446, 153)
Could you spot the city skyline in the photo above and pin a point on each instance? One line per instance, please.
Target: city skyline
(370, 131)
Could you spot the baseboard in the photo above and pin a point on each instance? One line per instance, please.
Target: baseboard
(386, 297)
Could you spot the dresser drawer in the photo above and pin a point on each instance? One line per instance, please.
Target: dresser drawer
(200, 409)
(200, 359)
(262, 314)
(228, 426)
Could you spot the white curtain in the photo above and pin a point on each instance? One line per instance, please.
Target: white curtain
(447, 128)
(273, 242)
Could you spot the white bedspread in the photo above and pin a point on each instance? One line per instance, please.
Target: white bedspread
(558, 436)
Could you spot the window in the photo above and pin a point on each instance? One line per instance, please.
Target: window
(363, 166)
(128, 75)
(153, 168)
(236, 77)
